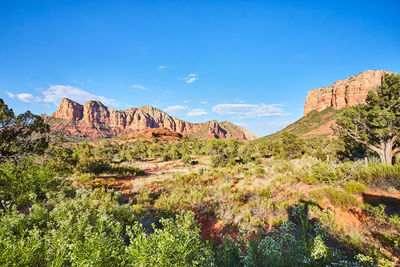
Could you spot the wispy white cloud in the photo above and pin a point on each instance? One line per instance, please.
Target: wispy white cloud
(204, 102)
(173, 109)
(191, 78)
(138, 86)
(25, 97)
(250, 110)
(10, 95)
(238, 100)
(28, 98)
(55, 93)
(196, 112)
(162, 67)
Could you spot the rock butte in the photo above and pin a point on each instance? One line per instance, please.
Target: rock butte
(349, 92)
(94, 120)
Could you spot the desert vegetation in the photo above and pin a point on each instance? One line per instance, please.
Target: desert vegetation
(277, 201)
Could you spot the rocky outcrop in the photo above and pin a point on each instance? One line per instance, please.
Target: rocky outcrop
(69, 110)
(94, 120)
(349, 92)
(155, 134)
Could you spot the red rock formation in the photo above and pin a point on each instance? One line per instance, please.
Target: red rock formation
(343, 93)
(69, 110)
(160, 134)
(94, 120)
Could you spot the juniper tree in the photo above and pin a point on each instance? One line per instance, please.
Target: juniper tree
(21, 135)
(376, 124)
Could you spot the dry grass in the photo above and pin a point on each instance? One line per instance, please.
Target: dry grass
(257, 196)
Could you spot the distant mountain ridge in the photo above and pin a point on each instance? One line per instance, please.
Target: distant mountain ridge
(93, 120)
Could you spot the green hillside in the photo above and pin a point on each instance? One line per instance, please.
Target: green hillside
(311, 121)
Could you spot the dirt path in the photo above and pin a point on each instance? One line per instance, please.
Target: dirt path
(153, 171)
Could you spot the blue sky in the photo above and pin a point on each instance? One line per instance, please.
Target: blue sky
(250, 62)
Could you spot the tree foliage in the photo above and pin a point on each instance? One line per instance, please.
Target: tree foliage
(293, 146)
(27, 182)
(22, 135)
(376, 124)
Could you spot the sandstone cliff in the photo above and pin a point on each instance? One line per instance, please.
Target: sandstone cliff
(343, 93)
(94, 120)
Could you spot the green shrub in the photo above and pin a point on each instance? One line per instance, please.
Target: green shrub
(89, 230)
(92, 165)
(88, 161)
(297, 242)
(379, 175)
(377, 212)
(355, 187)
(176, 243)
(390, 241)
(143, 197)
(27, 182)
(324, 173)
(79, 231)
(124, 170)
(93, 229)
(283, 166)
(336, 196)
(320, 154)
(202, 170)
(85, 177)
(239, 196)
(395, 220)
(219, 160)
(186, 158)
(259, 171)
(265, 192)
(292, 146)
(62, 159)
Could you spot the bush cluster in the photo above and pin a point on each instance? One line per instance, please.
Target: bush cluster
(92, 229)
(28, 182)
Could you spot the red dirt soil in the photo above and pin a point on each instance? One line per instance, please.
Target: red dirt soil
(322, 130)
(211, 229)
(161, 134)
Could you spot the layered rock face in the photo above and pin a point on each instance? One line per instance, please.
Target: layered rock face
(349, 92)
(94, 120)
